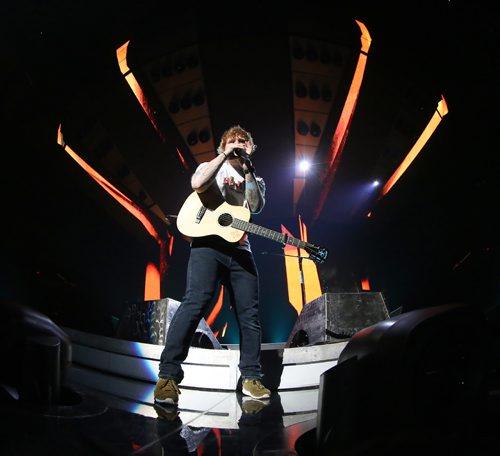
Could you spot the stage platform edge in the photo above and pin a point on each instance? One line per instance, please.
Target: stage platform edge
(208, 369)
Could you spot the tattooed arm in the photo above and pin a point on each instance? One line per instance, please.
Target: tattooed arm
(205, 175)
(255, 190)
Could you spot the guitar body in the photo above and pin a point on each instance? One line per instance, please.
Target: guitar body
(200, 217)
(196, 220)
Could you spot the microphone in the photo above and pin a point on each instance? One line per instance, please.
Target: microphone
(240, 152)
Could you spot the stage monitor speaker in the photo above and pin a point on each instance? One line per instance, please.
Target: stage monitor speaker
(148, 322)
(430, 369)
(336, 316)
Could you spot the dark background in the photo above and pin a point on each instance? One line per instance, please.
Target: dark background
(71, 251)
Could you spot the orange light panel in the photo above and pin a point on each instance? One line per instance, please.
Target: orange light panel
(365, 284)
(292, 275)
(121, 55)
(312, 287)
(309, 269)
(152, 287)
(124, 200)
(441, 111)
(341, 132)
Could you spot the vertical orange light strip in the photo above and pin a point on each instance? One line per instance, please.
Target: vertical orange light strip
(341, 132)
(441, 111)
(312, 287)
(365, 284)
(292, 275)
(152, 287)
(309, 270)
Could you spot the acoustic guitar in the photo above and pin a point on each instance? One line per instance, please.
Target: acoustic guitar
(231, 223)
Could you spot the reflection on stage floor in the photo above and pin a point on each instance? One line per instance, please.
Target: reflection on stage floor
(204, 423)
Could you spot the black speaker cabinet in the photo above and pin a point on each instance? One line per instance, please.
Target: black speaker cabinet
(336, 316)
(148, 321)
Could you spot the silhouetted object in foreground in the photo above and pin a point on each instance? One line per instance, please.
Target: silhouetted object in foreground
(36, 354)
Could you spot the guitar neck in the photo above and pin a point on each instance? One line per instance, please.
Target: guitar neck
(267, 233)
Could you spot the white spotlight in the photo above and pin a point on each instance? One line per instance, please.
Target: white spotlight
(304, 165)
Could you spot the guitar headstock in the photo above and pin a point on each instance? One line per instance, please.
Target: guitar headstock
(316, 253)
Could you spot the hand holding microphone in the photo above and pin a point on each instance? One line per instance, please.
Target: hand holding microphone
(247, 163)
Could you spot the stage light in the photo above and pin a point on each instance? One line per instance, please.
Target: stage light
(304, 165)
(311, 53)
(315, 130)
(300, 89)
(186, 101)
(302, 128)
(204, 135)
(326, 94)
(166, 71)
(199, 98)
(298, 51)
(192, 138)
(179, 64)
(375, 183)
(173, 106)
(324, 55)
(192, 61)
(314, 92)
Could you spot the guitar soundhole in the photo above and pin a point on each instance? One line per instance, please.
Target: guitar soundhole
(225, 219)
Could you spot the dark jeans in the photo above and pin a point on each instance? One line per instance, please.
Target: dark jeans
(207, 266)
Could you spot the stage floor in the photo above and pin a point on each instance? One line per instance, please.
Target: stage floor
(205, 423)
(107, 408)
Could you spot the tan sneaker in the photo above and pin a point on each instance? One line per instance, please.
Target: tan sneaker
(166, 412)
(166, 391)
(251, 406)
(254, 388)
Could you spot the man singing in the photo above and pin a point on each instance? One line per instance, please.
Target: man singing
(228, 177)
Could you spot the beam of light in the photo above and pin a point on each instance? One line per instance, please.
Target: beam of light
(309, 275)
(341, 132)
(441, 111)
(152, 285)
(365, 284)
(120, 197)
